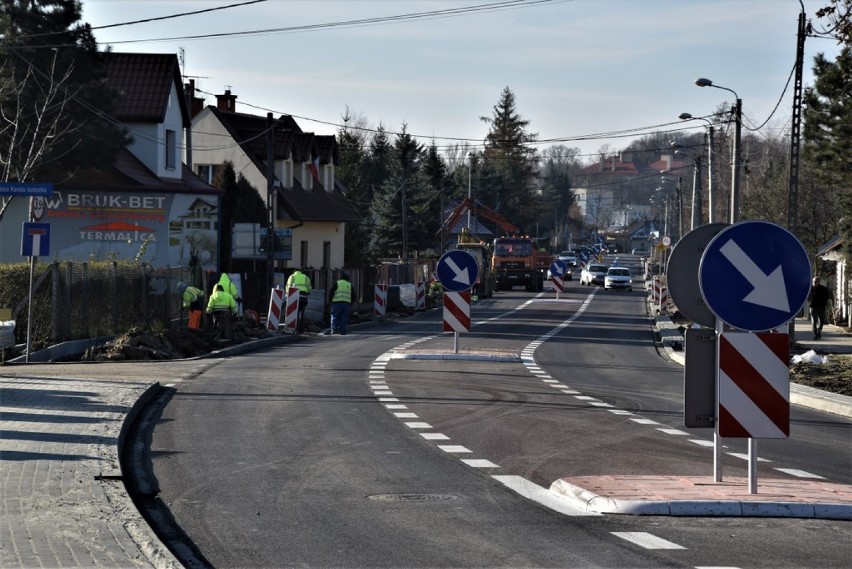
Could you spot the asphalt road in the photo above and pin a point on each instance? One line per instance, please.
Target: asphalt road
(299, 456)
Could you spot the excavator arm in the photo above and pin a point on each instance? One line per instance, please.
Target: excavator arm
(482, 211)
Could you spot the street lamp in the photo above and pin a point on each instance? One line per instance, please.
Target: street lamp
(737, 161)
(470, 211)
(710, 131)
(696, 187)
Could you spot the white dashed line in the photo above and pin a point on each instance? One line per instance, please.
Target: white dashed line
(799, 473)
(418, 425)
(646, 540)
(435, 436)
(479, 463)
(642, 421)
(454, 449)
(702, 443)
(745, 456)
(406, 415)
(674, 432)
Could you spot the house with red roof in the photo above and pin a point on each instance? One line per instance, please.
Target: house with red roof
(140, 202)
(309, 203)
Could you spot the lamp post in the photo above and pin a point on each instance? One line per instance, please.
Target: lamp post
(696, 188)
(710, 132)
(470, 211)
(736, 163)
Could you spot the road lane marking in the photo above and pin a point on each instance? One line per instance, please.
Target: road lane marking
(646, 540)
(799, 473)
(479, 463)
(543, 496)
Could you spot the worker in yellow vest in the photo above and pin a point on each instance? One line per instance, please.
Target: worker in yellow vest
(340, 297)
(301, 281)
(223, 307)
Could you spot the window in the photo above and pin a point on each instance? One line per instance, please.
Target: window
(205, 172)
(171, 149)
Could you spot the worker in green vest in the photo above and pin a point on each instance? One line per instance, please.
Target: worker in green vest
(223, 307)
(301, 281)
(192, 298)
(340, 297)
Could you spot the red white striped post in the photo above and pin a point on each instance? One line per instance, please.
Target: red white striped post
(456, 314)
(276, 302)
(291, 310)
(420, 296)
(380, 300)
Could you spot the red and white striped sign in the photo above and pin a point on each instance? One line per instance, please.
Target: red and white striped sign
(276, 302)
(556, 284)
(381, 300)
(754, 385)
(420, 296)
(291, 310)
(457, 311)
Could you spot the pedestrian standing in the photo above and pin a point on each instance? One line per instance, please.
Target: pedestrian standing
(301, 281)
(340, 297)
(223, 307)
(818, 299)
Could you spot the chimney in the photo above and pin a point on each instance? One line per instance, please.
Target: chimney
(196, 104)
(226, 102)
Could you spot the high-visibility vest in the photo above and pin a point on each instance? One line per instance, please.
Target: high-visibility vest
(343, 292)
(300, 281)
(221, 300)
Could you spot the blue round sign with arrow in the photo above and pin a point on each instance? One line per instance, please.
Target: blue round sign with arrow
(457, 270)
(558, 268)
(755, 275)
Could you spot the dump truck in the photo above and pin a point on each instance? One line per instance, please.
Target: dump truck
(481, 251)
(517, 262)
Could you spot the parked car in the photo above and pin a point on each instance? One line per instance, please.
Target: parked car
(618, 277)
(640, 252)
(593, 274)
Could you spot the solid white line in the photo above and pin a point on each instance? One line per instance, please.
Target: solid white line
(543, 496)
(646, 540)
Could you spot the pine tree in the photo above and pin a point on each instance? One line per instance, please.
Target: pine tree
(828, 142)
(508, 174)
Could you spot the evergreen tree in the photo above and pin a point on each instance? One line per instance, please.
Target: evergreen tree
(828, 144)
(425, 210)
(353, 175)
(508, 174)
(391, 233)
(54, 98)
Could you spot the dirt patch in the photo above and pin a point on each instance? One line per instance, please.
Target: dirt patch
(834, 376)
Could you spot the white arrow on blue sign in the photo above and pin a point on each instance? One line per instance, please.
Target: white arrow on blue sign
(755, 275)
(457, 270)
(558, 268)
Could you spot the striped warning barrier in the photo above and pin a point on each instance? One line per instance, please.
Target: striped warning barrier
(556, 284)
(754, 385)
(291, 310)
(381, 300)
(457, 311)
(276, 302)
(420, 296)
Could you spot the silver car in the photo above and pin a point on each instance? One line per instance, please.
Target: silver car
(618, 277)
(593, 274)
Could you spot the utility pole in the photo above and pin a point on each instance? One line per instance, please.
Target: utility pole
(270, 201)
(795, 133)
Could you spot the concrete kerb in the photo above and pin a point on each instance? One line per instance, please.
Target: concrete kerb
(591, 502)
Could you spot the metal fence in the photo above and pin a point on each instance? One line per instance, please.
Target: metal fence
(76, 300)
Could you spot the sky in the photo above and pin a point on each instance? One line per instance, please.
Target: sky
(577, 68)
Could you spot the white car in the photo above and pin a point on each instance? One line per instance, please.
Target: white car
(593, 274)
(618, 277)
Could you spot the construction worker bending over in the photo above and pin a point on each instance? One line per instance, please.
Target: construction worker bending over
(302, 282)
(192, 299)
(340, 297)
(223, 307)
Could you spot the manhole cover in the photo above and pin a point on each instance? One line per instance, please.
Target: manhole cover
(413, 497)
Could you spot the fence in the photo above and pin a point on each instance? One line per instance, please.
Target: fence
(76, 300)
(79, 300)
